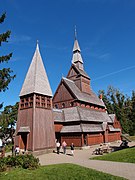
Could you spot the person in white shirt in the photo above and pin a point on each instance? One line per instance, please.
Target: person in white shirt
(58, 147)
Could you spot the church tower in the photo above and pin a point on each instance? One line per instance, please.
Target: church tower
(76, 72)
(35, 124)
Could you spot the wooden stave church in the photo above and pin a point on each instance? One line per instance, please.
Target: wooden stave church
(79, 115)
(75, 114)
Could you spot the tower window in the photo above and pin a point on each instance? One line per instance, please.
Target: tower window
(63, 105)
(27, 99)
(56, 106)
(71, 104)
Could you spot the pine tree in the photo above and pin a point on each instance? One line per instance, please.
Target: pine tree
(5, 73)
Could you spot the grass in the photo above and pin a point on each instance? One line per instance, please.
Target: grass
(125, 155)
(8, 147)
(57, 172)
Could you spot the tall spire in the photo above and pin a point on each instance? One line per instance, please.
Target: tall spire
(36, 80)
(77, 58)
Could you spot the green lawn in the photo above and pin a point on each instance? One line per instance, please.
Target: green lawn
(57, 172)
(125, 155)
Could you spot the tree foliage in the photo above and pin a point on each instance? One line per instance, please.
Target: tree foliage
(5, 73)
(121, 105)
(8, 118)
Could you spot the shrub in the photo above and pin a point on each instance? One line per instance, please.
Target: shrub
(30, 162)
(3, 166)
(24, 161)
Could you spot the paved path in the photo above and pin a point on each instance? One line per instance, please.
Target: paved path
(81, 157)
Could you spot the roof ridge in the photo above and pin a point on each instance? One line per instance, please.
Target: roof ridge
(37, 48)
(68, 79)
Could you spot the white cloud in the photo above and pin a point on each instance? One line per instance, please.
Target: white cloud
(115, 72)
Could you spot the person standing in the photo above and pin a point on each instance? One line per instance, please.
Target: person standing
(17, 150)
(64, 145)
(58, 147)
(72, 149)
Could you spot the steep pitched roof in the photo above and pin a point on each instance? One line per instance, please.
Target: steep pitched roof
(90, 98)
(36, 80)
(77, 58)
(76, 46)
(81, 72)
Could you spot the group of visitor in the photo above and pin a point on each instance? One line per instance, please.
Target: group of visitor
(64, 147)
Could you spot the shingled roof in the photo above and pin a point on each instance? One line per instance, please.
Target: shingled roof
(82, 128)
(93, 115)
(112, 117)
(80, 114)
(76, 53)
(81, 72)
(111, 128)
(58, 115)
(71, 128)
(36, 80)
(92, 127)
(89, 98)
(77, 58)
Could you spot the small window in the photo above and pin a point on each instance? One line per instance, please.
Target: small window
(26, 104)
(22, 100)
(71, 104)
(27, 99)
(37, 97)
(31, 98)
(56, 106)
(43, 99)
(63, 105)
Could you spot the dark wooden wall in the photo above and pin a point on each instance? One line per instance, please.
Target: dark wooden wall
(25, 118)
(43, 132)
(62, 96)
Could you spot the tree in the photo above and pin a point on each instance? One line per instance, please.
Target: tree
(5, 73)
(119, 104)
(106, 101)
(132, 129)
(8, 118)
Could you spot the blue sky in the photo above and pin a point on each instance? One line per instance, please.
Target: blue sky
(105, 31)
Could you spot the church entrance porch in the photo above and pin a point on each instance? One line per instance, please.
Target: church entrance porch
(23, 138)
(23, 141)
